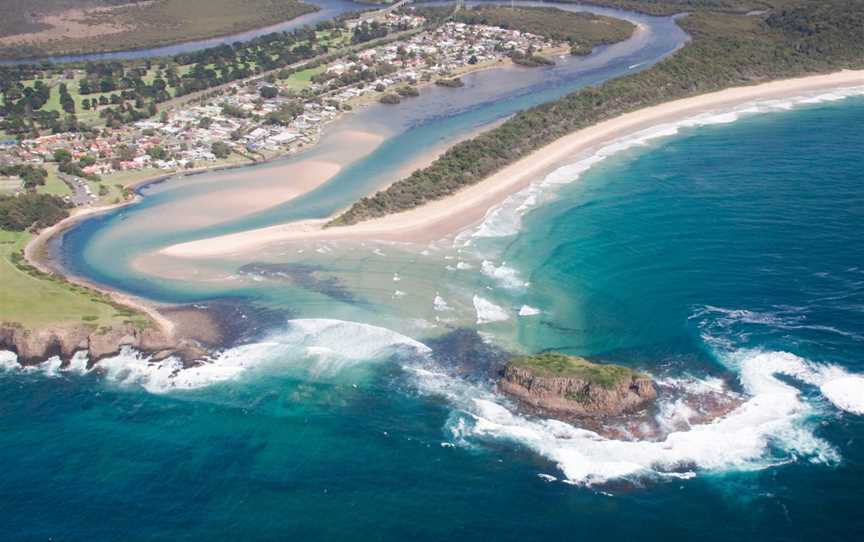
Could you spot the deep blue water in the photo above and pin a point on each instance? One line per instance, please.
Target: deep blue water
(720, 251)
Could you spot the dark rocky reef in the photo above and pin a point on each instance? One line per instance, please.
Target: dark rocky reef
(568, 386)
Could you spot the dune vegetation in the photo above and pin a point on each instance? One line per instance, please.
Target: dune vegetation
(733, 44)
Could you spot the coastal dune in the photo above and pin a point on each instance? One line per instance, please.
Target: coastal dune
(447, 216)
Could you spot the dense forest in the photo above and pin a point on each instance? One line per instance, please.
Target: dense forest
(21, 212)
(731, 46)
(32, 176)
(580, 30)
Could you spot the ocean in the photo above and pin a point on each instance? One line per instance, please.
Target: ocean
(722, 255)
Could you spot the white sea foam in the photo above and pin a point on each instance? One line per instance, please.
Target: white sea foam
(772, 426)
(51, 366)
(786, 318)
(78, 363)
(8, 360)
(463, 266)
(527, 310)
(506, 219)
(488, 312)
(846, 393)
(323, 347)
(505, 276)
(440, 305)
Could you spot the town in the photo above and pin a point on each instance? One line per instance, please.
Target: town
(272, 114)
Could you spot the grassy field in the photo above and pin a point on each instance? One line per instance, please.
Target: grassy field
(39, 301)
(53, 184)
(302, 79)
(33, 27)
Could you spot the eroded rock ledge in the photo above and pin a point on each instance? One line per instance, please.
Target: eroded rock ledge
(35, 346)
(569, 386)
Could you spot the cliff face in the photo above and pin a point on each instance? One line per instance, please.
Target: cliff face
(35, 346)
(588, 392)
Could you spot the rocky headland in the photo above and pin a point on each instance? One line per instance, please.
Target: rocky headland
(33, 346)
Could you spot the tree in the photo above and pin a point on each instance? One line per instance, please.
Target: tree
(220, 149)
(125, 153)
(268, 92)
(157, 152)
(62, 156)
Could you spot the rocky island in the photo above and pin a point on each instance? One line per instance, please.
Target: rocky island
(571, 386)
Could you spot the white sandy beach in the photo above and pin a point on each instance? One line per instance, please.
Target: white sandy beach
(447, 216)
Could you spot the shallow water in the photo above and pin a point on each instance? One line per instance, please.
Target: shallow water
(105, 248)
(716, 259)
(723, 257)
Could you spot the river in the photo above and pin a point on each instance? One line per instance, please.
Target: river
(722, 255)
(328, 9)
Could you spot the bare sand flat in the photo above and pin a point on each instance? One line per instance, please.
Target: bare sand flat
(238, 192)
(272, 186)
(447, 216)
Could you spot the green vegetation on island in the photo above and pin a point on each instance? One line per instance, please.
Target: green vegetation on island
(555, 365)
(566, 386)
(792, 38)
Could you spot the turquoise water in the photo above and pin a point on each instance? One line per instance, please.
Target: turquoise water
(104, 248)
(727, 257)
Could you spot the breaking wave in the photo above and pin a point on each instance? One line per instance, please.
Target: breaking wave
(504, 276)
(322, 347)
(774, 423)
(488, 312)
(506, 219)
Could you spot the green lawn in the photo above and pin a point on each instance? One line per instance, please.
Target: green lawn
(303, 78)
(37, 302)
(53, 184)
(126, 178)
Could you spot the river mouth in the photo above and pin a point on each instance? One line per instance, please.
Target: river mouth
(356, 155)
(721, 255)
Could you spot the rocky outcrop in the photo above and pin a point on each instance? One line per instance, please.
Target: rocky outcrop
(35, 346)
(569, 386)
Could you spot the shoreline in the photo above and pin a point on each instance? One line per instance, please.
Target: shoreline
(444, 217)
(72, 57)
(36, 250)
